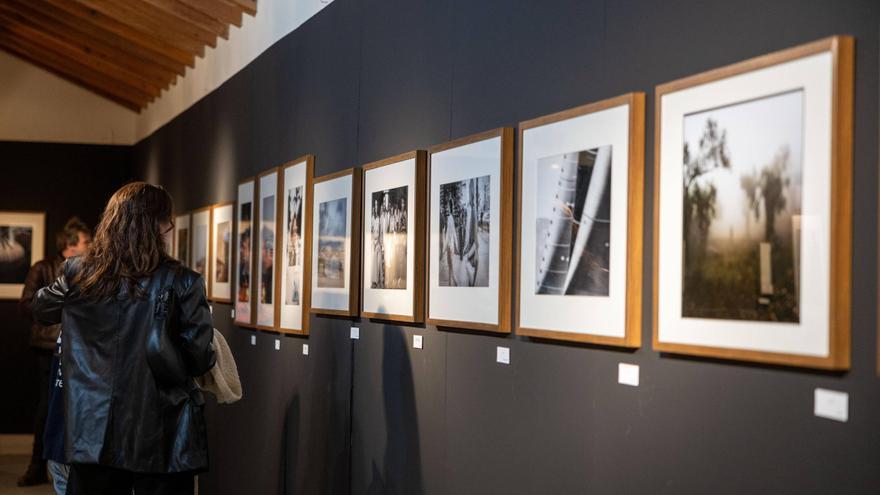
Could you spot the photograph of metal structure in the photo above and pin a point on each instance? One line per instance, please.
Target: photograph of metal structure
(574, 223)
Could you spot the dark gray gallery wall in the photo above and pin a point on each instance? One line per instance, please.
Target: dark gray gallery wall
(62, 180)
(366, 79)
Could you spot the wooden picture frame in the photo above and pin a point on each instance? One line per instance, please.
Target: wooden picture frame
(328, 301)
(245, 222)
(625, 114)
(266, 182)
(303, 301)
(195, 259)
(406, 172)
(819, 76)
(502, 248)
(219, 211)
(22, 243)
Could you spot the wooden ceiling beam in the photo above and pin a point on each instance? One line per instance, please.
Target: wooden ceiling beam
(58, 21)
(222, 11)
(248, 6)
(43, 40)
(146, 19)
(149, 71)
(140, 37)
(190, 15)
(71, 71)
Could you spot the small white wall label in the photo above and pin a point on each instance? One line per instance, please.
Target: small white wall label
(417, 341)
(628, 374)
(831, 404)
(355, 333)
(502, 355)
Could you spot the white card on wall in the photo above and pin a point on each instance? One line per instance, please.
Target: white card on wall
(253, 340)
(831, 404)
(417, 341)
(355, 333)
(232, 313)
(502, 355)
(628, 374)
(305, 349)
(277, 344)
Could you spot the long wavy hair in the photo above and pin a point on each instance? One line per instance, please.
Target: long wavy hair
(128, 245)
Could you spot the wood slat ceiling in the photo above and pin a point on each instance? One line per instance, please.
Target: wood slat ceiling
(127, 51)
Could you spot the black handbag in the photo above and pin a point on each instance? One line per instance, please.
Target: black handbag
(162, 347)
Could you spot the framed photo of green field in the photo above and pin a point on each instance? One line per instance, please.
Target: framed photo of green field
(753, 209)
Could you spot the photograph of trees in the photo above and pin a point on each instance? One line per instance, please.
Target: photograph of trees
(742, 181)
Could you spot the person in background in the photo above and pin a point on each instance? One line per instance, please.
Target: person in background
(71, 241)
(134, 416)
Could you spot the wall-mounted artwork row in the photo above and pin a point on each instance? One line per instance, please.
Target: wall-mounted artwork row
(220, 262)
(394, 238)
(336, 243)
(245, 315)
(294, 249)
(22, 237)
(753, 193)
(580, 228)
(182, 238)
(470, 232)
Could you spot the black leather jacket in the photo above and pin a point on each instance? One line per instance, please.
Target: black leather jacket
(116, 414)
(40, 275)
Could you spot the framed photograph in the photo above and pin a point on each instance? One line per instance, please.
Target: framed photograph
(245, 315)
(294, 283)
(394, 238)
(201, 243)
(470, 232)
(221, 252)
(753, 209)
(335, 246)
(580, 223)
(22, 238)
(267, 209)
(182, 238)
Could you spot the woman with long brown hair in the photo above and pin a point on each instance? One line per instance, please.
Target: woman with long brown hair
(136, 330)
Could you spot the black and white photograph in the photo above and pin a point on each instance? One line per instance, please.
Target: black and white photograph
(388, 227)
(16, 246)
(294, 245)
(332, 220)
(464, 233)
(267, 250)
(200, 249)
(573, 213)
(742, 176)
